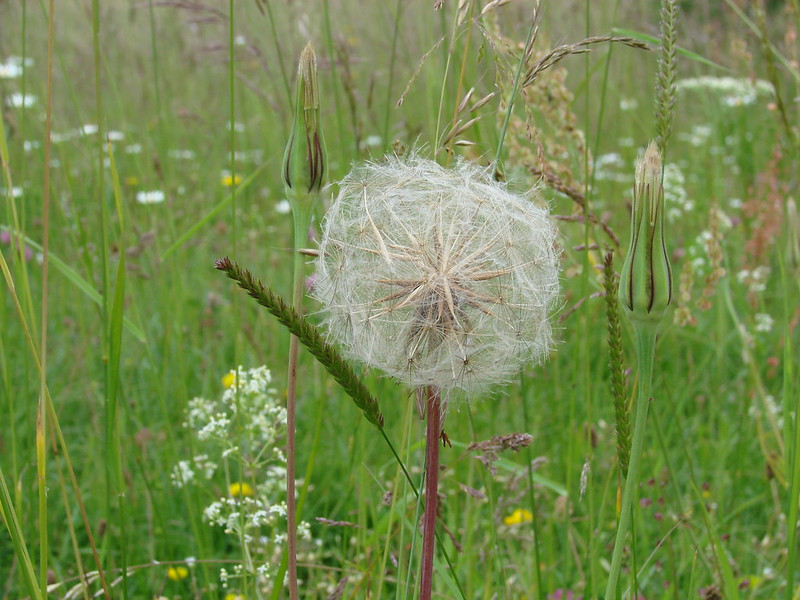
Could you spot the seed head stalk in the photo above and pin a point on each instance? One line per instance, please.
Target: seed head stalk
(432, 436)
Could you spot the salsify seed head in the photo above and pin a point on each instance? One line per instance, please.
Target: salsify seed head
(437, 276)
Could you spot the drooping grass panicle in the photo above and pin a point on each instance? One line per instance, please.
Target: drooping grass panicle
(583, 46)
(309, 336)
(667, 73)
(617, 364)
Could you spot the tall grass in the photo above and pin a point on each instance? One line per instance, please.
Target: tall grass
(137, 323)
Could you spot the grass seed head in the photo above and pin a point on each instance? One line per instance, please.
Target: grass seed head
(437, 276)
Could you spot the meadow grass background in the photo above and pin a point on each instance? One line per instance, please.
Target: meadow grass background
(719, 470)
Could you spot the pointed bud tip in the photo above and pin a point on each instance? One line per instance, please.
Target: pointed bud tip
(648, 165)
(308, 61)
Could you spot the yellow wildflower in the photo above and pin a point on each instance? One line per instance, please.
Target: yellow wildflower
(521, 515)
(232, 596)
(229, 379)
(241, 489)
(230, 180)
(131, 180)
(177, 573)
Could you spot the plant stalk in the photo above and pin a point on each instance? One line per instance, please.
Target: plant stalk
(301, 223)
(645, 351)
(432, 436)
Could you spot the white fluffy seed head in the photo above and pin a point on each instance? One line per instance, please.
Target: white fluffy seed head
(437, 276)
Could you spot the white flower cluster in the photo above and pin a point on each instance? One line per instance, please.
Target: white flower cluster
(764, 322)
(733, 91)
(437, 276)
(243, 432)
(249, 405)
(611, 167)
(755, 280)
(13, 67)
(184, 472)
(243, 515)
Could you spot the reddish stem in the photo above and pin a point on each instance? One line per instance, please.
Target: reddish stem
(433, 432)
(291, 508)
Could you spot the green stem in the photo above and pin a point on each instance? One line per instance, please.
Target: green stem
(645, 351)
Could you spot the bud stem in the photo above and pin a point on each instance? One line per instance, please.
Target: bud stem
(645, 352)
(301, 216)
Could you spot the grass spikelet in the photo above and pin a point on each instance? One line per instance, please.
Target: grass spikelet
(617, 364)
(308, 335)
(667, 74)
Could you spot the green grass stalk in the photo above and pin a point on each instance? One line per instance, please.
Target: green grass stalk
(791, 405)
(390, 82)
(41, 414)
(114, 332)
(8, 515)
(335, 82)
(493, 563)
(537, 570)
(54, 421)
(514, 91)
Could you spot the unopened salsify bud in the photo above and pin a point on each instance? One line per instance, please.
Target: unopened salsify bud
(645, 287)
(304, 161)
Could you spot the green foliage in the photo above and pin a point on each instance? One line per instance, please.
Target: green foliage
(719, 470)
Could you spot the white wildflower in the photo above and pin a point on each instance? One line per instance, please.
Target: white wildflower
(371, 141)
(11, 68)
(733, 91)
(16, 192)
(17, 100)
(764, 322)
(182, 473)
(605, 165)
(676, 199)
(179, 154)
(437, 276)
(755, 280)
(150, 197)
(206, 465)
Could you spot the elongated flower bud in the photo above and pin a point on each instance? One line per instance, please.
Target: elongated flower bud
(304, 161)
(645, 288)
